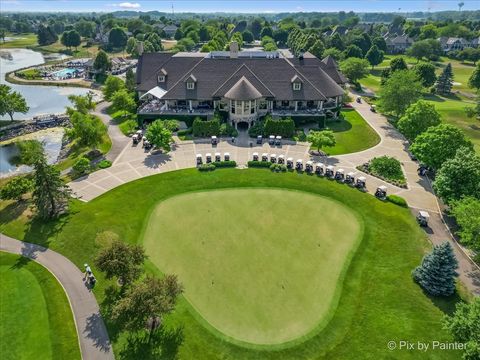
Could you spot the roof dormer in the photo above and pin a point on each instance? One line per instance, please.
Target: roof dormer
(296, 83)
(190, 81)
(162, 76)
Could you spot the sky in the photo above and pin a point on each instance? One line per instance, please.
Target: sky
(245, 6)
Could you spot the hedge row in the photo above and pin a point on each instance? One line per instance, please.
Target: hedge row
(261, 164)
(398, 200)
(204, 128)
(217, 164)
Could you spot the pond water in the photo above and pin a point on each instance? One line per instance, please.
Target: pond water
(40, 99)
(52, 144)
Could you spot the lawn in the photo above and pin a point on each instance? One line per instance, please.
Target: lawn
(19, 41)
(352, 134)
(377, 297)
(35, 317)
(210, 250)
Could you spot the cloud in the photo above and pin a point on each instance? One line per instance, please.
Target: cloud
(126, 5)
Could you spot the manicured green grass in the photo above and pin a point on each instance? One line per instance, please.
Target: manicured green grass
(19, 41)
(378, 303)
(247, 237)
(127, 123)
(35, 318)
(352, 134)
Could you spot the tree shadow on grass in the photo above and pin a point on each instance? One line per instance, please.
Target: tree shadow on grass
(13, 211)
(112, 295)
(163, 344)
(445, 304)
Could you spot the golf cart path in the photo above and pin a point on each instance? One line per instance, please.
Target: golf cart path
(91, 331)
(133, 162)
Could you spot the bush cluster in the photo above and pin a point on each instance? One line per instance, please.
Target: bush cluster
(284, 127)
(204, 128)
(206, 167)
(228, 130)
(81, 166)
(104, 164)
(278, 167)
(224, 164)
(261, 164)
(397, 200)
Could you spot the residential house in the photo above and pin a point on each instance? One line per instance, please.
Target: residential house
(398, 44)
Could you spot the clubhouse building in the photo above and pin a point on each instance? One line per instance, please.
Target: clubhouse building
(243, 84)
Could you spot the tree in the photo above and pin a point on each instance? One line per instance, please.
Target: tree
(30, 151)
(398, 64)
(337, 42)
(380, 43)
(437, 275)
(112, 85)
(159, 135)
(146, 302)
(123, 100)
(256, 28)
(445, 81)
(132, 47)
(178, 34)
(354, 69)
(459, 176)
(88, 129)
(82, 103)
(46, 35)
(464, 325)
(11, 102)
(467, 215)
(374, 56)
(102, 62)
(469, 54)
(85, 28)
(130, 81)
(333, 52)
(474, 80)
(155, 40)
(418, 118)
(400, 90)
(429, 49)
(117, 38)
(320, 139)
(353, 51)
(71, 39)
(81, 166)
(438, 144)
(426, 73)
(16, 188)
(266, 31)
(122, 261)
(50, 193)
(317, 48)
(247, 37)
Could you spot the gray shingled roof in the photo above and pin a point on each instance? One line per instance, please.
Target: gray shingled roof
(243, 90)
(215, 77)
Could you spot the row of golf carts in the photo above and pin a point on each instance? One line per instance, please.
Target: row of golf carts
(208, 158)
(138, 136)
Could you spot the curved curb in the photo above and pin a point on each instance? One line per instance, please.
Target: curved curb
(92, 333)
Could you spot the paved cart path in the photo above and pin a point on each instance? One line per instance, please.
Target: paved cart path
(92, 333)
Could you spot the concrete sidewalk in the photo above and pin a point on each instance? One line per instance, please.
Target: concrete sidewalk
(92, 333)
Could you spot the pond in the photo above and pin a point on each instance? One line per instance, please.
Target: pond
(52, 144)
(41, 99)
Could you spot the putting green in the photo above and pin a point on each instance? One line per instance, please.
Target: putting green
(35, 318)
(261, 266)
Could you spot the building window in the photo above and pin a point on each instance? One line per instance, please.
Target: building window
(239, 106)
(297, 86)
(190, 85)
(246, 107)
(161, 78)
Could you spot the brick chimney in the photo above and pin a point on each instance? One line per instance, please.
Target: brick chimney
(233, 50)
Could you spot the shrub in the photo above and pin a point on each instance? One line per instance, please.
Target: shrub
(81, 166)
(256, 129)
(278, 167)
(397, 200)
(128, 127)
(228, 130)
(261, 164)
(387, 167)
(206, 167)
(104, 164)
(15, 188)
(184, 132)
(284, 127)
(202, 128)
(224, 164)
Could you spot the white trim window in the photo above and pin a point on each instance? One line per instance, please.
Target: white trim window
(161, 78)
(297, 86)
(190, 85)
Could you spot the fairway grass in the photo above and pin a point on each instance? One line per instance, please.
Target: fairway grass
(35, 317)
(258, 264)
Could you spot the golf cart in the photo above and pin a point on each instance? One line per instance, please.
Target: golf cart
(359, 99)
(273, 158)
(281, 159)
(255, 156)
(135, 139)
(361, 182)
(139, 133)
(199, 159)
(218, 157)
(381, 192)
(226, 156)
(319, 169)
(264, 157)
(422, 170)
(299, 165)
(350, 178)
(208, 158)
(147, 145)
(289, 163)
(278, 140)
(329, 171)
(340, 175)
(259, 139)
(373, 108)
(214, 140)
(309, 166)
(422, 218)
(271, 140)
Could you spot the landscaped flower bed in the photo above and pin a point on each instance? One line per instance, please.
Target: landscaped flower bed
(386, 168)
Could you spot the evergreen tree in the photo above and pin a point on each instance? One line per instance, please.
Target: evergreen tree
(130, 81)
(445, 80)
(437, 275)
(46, 35)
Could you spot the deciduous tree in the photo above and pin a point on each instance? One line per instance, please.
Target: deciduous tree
(354, 68)
(321, 139)
(400, 90)
(418, 118)
(11, 102)
(426, 73)
(467, 215)
(112, 85)
(159, 135)
(16, 188)
(374, 56)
